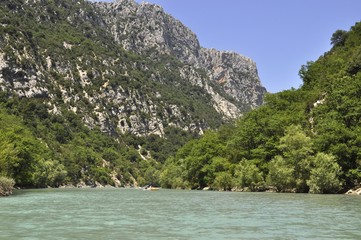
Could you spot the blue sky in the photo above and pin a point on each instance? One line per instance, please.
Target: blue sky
(279, 35)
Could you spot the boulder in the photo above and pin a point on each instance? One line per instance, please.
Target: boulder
(354, 192)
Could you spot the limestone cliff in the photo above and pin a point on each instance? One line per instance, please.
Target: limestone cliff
(146, 29)
(123, 67)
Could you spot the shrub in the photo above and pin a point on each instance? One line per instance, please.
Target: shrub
(6, 186)
(223, 181)
(249, 176)
(324, 174)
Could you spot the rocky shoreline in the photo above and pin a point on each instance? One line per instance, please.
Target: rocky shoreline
(96, 184)
(354, 192)
(83, 185)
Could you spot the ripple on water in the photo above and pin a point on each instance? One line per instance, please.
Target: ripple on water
(171, 214)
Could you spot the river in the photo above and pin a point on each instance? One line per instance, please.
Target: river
(176, 214)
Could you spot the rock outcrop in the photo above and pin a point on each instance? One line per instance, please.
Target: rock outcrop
(354, 192)
(146, 29)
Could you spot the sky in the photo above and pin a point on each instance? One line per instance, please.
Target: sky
(279, 35)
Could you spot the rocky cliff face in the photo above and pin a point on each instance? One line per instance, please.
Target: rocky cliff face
(146, 27)
(236, 74)
(70, 55)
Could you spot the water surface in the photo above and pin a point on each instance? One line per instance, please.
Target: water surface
(175, 214)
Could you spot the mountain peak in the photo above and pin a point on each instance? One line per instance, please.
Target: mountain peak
(155, 32)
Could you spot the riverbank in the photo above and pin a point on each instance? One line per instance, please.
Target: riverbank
(6, 190)
(84, 185)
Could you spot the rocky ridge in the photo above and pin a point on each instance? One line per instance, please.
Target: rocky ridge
(114, 89)
(146, 29)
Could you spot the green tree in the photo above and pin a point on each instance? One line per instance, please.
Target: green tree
(25, 158)
(49, 173)
(249, 176)
(290, 170)
(171, 175)
(324, 174)
(296, 150)
(197, 154)
(216, 165)
(281, 174)
(339, 37)
(224, 181)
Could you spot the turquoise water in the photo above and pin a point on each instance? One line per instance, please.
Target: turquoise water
(175, 214)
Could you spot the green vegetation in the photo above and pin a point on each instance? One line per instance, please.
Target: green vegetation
(304, 140)
(6, 186)
(300, 140)
(23, 157)
(39, 150)
(42, 30)
(43, 142)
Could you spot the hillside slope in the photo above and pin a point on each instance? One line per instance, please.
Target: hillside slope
(300, 140)
(110, 90)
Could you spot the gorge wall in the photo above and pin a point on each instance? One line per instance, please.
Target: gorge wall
(124, 67)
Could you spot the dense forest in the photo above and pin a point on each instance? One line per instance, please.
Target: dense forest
(300, 140)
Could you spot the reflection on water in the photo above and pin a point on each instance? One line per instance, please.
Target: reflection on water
(171, 214)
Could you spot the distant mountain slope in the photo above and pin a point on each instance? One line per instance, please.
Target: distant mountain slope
(72, 70)
(75, 50)
(146, 29)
